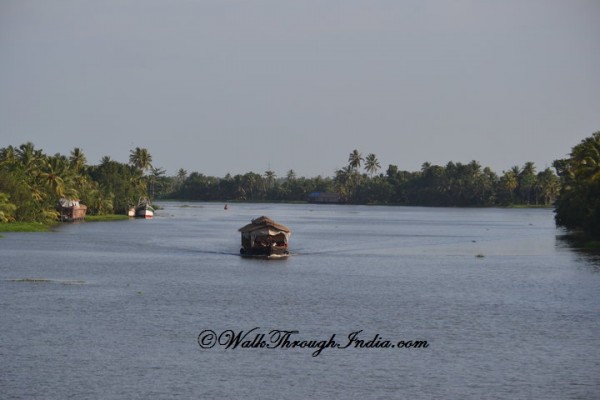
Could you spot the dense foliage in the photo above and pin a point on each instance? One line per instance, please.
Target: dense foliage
(578, 205)
(32, 182)
(454, 184)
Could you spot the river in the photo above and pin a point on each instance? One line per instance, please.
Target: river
(374, 303)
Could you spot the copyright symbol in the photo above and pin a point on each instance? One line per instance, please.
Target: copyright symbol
(207, 339)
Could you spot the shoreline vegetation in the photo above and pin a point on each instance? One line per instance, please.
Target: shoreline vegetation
(47, 226)
(26, 227)
(32, 182)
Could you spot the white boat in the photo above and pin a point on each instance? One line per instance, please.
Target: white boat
(144, 209)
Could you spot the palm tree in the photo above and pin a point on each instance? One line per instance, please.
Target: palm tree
(156, 173)
(8, 156)
(355, 159)
(250, 185)
(510, 181)
(291, 175)
(547, 185)
(140, 158)
(578, 204)
(527, 181)
(345, 181)
(586, 158)
(52, 174)
(77, 159)
(181, 176)
(270, 177)
(372, 164)
(7, 209)
(105, 160)
(29, 157)
(474, 167)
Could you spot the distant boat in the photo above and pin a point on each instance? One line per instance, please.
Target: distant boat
(144, 209)
(71, 210)
(131, 211)
(264, 237)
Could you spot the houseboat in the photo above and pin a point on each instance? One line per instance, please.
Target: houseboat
(71, 210)
(264, 237)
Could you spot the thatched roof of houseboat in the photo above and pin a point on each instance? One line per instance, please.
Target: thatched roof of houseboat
(264, 222)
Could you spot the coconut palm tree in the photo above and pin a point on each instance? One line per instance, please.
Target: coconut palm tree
(155, 174)
(140, 158)
(527, 181)
(77, 159)
(29, 157)
(291, 175)
(578, 204)
(372, 164)
(270, 177)
(345, 181)
(547, 186)
(7, 209)
(181, 176)
(510, 181)
(51, 176)
(355, 159)
(585, 158)
(8, 156)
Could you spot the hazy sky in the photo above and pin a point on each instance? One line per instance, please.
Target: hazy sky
(219, 86)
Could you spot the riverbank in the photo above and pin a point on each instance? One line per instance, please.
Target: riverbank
(40, 227)
(25, 227)
(108, 217)
(580, 241)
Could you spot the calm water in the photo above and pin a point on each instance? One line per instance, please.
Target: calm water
(507, 310)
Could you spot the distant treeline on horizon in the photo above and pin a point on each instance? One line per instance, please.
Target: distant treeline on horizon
(32, 182)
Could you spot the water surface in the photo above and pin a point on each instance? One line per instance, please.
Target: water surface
(113, 310)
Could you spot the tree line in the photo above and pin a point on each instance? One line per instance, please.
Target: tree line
(32, 182)
(578, 204)
(455, 184)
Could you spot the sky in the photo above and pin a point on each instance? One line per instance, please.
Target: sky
(233, 86)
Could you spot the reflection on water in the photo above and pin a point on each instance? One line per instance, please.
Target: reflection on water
(587, 251)
(114, 310)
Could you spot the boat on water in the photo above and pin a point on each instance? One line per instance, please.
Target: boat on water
(71, 210)
(264, 237)
(144, 209)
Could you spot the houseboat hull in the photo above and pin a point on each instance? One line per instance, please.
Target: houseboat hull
(264, 252)
(70, 214)
(71, 210)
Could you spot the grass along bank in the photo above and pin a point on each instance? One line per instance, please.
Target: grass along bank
(40, 227)
(25, 227)
(108, 217)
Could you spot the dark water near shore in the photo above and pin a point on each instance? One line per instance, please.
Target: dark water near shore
(115, 310)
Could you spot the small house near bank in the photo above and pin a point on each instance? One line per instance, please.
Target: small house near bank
(71, 210)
